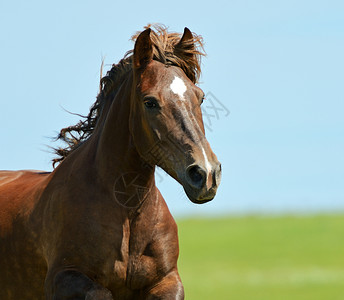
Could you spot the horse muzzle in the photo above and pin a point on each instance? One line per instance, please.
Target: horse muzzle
(200, 184)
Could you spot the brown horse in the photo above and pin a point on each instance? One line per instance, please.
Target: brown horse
(97, 227)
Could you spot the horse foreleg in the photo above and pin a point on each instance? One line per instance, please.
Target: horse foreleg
(68, 285)
(170, 287)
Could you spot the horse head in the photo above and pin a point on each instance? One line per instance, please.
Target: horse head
(166, 118)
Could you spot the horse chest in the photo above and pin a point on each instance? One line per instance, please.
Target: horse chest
(140, 264)
(137, 273)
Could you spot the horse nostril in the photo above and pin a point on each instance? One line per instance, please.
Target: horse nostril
(196, 176)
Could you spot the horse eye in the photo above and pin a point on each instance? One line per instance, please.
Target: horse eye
(150, 103)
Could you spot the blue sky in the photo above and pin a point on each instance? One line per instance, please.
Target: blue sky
(277, 66)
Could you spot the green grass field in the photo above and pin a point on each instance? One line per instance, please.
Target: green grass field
(263, 258)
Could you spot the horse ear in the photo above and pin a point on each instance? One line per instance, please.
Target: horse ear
(143, 50)
(187, 36)
(186, 42)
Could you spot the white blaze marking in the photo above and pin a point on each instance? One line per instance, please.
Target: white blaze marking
(206, 161)
(178, 87)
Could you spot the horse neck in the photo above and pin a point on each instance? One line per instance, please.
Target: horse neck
(116, 154)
